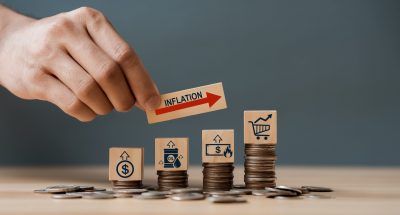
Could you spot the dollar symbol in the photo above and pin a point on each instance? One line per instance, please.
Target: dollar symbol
(218, 149)
(125, 169)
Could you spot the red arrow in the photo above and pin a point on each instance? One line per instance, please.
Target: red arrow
(211, 99)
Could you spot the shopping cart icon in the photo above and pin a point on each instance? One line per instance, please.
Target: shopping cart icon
(260, 130)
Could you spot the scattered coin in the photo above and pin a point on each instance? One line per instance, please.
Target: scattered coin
(98, 195)
(291, 189)
(66, 196)
(123, 195)
(150, 196)
(130, 191)
(242, 191)
(226, 199)
(259, 192)
(316, 196)
(62, 188)
(223, 193)
(156, 193)
(317, 189)
(187, 190)
(187, 196)
(41, 191)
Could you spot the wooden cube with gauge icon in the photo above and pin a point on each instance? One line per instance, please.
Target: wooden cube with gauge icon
(171, 154)
(126, 164)
(218, 146)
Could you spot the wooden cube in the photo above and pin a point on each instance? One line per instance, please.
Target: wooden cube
(260, 127)
(126, 164)
(218, 146)
(188, 102)
(171, 154)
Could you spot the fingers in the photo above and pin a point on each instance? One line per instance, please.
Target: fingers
(107, 38)
(57, 93)
(104, 71)
(80, 83)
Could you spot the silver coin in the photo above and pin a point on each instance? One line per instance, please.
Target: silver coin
(150, 196)
(66, 196)
(98, 195)
(226, 199)
(239, 186)
(123, 195)
(259, 192)
(187, 196)
(281, 187)
(223, 193)
(131, 191)
(41, 191)
(187, 190)
(109, 192)
(85, 187)
(62, 188)
(99, 189)
(315, 196)
(242, 191)
(317, 189)
(156, 193)
(288, 197)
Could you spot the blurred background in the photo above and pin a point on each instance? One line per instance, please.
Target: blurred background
(330, 68)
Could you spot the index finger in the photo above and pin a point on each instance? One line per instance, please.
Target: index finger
(104, 35)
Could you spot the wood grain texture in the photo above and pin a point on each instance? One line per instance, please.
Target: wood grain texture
(358, 191)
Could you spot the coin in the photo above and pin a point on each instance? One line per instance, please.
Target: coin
(130, 191)
(150, 196)
(317, 189)
(217, 176)
(98, 195)
(156, 193)
(226, 199)
(62, 188)
(66, 196)
(123, 195)
(187, 196)
(41, 191)
(281, 187)
(168, 180)
(315, 196)
(187, 190)
(223, 193)
(259, 192)
(242, 191)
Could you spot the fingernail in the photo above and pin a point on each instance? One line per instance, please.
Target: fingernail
(153, 102)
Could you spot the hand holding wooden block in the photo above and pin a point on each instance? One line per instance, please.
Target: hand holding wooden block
(125, 164)
(260, 127)
(171, 154)
(218, 146)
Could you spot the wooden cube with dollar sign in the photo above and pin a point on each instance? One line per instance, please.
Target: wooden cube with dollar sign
(126, 164)
(218, 146)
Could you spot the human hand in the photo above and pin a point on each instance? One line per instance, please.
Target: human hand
(75, 60)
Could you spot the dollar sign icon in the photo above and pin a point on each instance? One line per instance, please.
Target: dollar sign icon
(125, 169)
(218, 149)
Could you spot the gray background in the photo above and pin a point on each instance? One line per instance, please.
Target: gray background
(330, 68)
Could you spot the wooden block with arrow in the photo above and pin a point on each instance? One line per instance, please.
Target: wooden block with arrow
(126, 164)
(171, 154)
(189, 102)
(260, 127)
(218, 146)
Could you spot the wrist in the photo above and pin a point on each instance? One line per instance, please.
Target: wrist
(9, 22)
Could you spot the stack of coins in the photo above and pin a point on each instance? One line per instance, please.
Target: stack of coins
(259, 166)
(117, 185)
(168, 180)
(217, 176)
